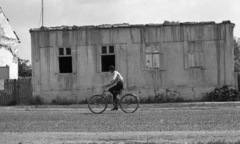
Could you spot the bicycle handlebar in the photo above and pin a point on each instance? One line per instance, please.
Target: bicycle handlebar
(104, 89)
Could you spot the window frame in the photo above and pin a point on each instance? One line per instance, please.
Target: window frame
(65, 55)
(196, 50)
(152, 53)
(64, 52)
(107, 54)
(107, 50)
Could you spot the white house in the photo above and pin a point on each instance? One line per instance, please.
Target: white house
(8, 50)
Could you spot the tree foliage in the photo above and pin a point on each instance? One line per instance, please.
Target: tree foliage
(24, 69)
(236, 56)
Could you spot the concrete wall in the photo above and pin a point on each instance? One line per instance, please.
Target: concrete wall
(175, 76)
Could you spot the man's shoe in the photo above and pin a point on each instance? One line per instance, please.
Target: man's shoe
(115, 108)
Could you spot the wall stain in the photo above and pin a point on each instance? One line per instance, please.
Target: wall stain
(218, 62)
(66, 38)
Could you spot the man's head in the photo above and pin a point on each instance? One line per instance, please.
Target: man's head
(111, 68)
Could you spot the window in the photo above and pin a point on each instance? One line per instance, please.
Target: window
(65, 60)
(152, 56)
(195, 54)
(107, 57)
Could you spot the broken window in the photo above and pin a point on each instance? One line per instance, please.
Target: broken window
(65, 60)
(107, 57)
(195, 54)
(152, 56)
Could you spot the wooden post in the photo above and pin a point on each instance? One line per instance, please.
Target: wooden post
(30, 90)
(15, 91)
(18, 93)
(236, 80)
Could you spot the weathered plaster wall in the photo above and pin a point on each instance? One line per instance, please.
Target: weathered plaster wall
(175, 75)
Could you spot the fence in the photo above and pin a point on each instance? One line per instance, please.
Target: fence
(16, 92)
(237, 80)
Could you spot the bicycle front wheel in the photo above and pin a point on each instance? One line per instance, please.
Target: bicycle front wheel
(97, 104)
(129, 103)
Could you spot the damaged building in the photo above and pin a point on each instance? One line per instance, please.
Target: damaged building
(8, 50)
(177, 60)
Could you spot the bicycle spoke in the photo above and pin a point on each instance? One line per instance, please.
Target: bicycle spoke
(97, 104)
(129, 103)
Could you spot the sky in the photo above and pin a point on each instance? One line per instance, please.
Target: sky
(25, 14)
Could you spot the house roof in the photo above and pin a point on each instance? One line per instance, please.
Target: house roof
(6, 31)
(123, 25)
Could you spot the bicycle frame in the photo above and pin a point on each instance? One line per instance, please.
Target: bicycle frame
(121, 95)
(107, 98)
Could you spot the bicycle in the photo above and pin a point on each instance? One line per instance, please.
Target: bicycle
(97, 104)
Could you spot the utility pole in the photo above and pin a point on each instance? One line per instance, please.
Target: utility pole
(42, 13)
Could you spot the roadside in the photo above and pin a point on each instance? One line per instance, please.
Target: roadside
(119, 137)
(142, 106)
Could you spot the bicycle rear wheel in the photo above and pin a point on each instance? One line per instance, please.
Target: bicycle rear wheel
(97, 104)
(129, 103)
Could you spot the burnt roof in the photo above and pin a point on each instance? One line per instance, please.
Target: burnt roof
(15, 34)
(124, 25)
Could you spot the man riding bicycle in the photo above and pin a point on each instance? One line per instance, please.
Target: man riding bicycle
(117, 85)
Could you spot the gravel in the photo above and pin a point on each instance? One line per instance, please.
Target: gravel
(148, 118)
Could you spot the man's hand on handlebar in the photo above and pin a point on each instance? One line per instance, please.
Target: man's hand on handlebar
(104, 86)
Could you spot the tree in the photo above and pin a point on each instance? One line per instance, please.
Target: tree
(236, 55)
(24, 69)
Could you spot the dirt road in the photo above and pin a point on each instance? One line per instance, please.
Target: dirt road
(118, 137)
(171, 123)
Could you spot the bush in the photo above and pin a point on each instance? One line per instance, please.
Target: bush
(223, 94)
(161, 98)
(36, 101)
(83, 102)
(63, 101)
